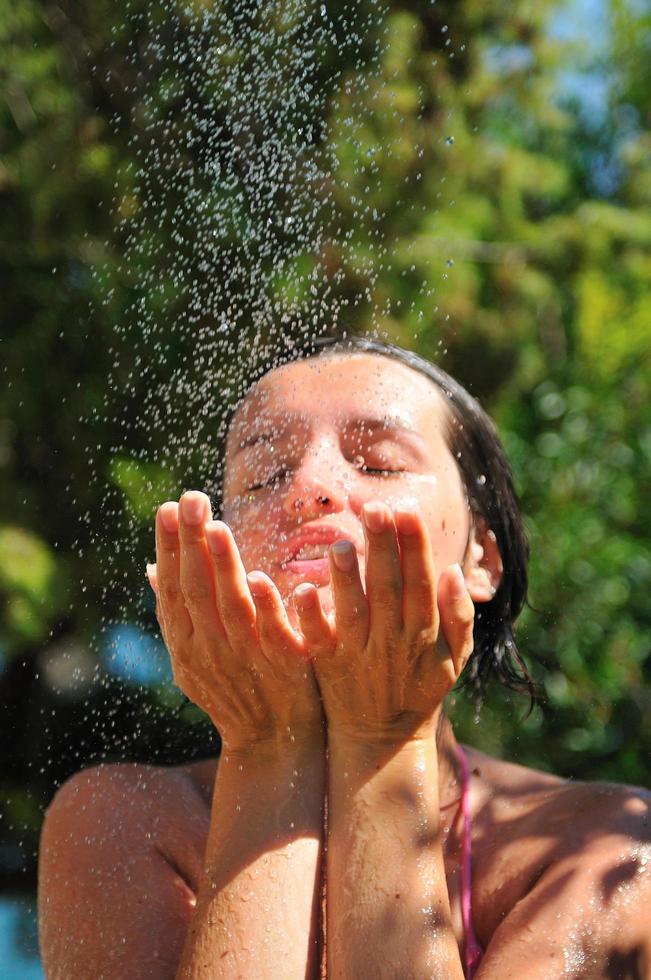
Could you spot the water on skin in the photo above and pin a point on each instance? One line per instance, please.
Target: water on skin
(246, 189)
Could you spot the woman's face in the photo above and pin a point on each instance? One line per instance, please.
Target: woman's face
(314, 441)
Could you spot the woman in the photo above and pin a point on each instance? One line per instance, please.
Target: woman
(368, 497)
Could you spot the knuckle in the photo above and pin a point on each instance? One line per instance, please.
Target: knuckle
(386, 588)
(229, 622)
(190, 538)
(169, 594)
(168, 546)
(424, 593)
(242, 636)
(169, 590)
(196, 593)
(424, 640)
(351, 621)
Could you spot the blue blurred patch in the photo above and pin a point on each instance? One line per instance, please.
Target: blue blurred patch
(134, 656)
(19, 958)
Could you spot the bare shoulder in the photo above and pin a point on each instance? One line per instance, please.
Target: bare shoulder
(169, 805)
(562, 859)
(121, 851)
(574, 814)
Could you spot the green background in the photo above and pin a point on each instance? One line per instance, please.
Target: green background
(504, 231)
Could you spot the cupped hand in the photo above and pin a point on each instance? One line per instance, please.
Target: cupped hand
(233, 650)
(392, 653)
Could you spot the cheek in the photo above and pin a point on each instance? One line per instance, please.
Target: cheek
(441, 501)
(449, 539)
(447, 516)
(254, 529)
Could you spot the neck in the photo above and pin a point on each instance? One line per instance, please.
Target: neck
(450, 775)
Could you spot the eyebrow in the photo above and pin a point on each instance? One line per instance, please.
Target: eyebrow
(391, 424)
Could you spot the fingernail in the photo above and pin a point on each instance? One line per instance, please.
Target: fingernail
(151, 570)
(257, 584)
(193, 508)
(217, 537)
(406, 519)
(304, 596)
(169, 517)
(457, 582)
(374, 517)
(343, 554)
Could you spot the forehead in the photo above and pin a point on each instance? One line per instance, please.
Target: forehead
(337, 388)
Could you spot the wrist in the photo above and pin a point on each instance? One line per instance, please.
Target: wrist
(274, 745)
(364, 739)
(354, 762)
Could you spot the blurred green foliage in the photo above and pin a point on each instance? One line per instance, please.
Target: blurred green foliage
(30, 584)
(507, 235)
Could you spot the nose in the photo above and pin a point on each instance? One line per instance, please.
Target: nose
(317, 485)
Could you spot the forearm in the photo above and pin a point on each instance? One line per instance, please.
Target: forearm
(258, 901)
(388, 904)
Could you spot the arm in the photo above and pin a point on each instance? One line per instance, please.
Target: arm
(388, 906)
(234, 652)
(383, 675)
(122, 890)
(258, 901)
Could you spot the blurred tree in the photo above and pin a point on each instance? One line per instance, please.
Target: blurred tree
(467, 209)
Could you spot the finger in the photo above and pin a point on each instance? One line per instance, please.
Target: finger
(197, 582)
(177, 624)
(234, 602)
(151, 576)
(315, 626)
(457, 613)
(383, 574)
(351, 607)
(275, 634)
(419, 577)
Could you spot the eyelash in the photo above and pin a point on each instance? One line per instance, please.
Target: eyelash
(368, 470)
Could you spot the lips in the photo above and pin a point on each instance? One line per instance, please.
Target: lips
(306, 554)
(312, 539)
(316, 570)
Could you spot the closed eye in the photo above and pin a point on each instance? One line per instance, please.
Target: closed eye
(278, 475)
(377, 472)
(272, 480)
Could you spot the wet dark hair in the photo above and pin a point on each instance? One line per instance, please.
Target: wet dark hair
(475, 444)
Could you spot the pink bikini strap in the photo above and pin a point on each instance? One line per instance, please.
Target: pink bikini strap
(472, 950)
